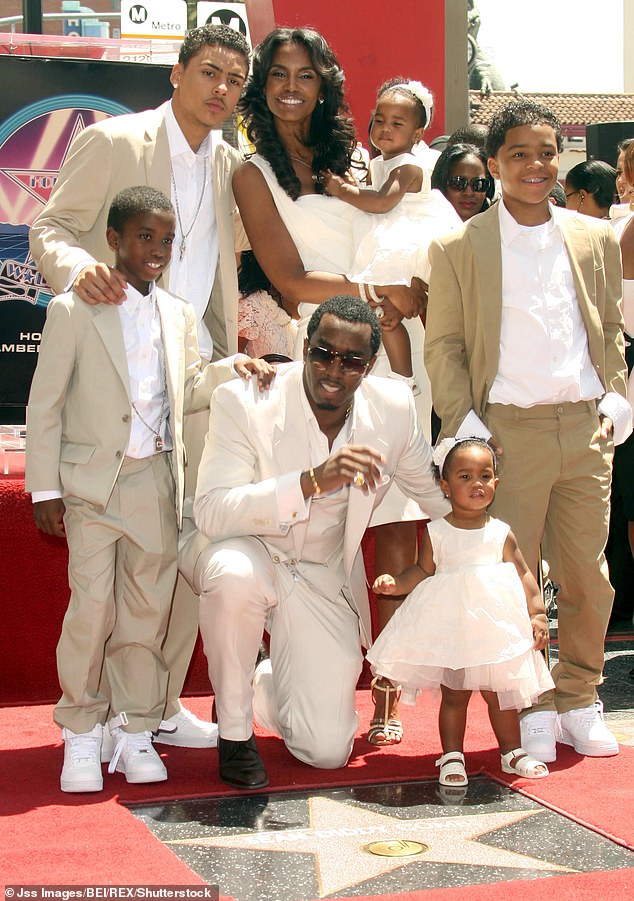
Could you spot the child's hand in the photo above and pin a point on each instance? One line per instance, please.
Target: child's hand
(49, 516)
(248, 366)
(332, 184)
(539, 622)
(384, 584)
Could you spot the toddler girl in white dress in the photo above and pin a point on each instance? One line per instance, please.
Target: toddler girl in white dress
(474, 619)
(391, 248)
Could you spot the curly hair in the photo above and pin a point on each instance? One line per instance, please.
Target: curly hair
(331, 136)
(453, 154)
(515, 114)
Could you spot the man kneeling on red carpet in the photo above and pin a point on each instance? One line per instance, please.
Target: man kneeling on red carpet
(286, 488)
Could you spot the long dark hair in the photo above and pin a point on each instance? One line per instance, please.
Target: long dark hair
(331, 136)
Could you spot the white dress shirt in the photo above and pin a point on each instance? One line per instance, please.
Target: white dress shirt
(192, 277)
(326, 512)
(141, 325)
(544, 355)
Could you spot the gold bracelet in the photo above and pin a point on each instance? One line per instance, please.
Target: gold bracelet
(313, 478)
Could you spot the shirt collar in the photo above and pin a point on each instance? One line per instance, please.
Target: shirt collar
(178, 142)
(134, 299)
(511, 229)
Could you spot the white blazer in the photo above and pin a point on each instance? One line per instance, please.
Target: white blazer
(254, 438)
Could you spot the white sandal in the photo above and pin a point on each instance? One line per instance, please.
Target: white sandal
(452, 764)
(522, 764)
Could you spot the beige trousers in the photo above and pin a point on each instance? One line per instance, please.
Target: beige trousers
(307, 693)
(554, 489)
(122, 569)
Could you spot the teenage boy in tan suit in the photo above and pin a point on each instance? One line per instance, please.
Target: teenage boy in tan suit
(524, 347)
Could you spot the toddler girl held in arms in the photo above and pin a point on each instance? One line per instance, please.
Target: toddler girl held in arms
(474, 619)
(391, 248)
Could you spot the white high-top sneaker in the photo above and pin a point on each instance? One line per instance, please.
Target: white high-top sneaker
(134, 755)
(82, 763)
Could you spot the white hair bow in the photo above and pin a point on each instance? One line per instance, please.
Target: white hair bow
(424, 95)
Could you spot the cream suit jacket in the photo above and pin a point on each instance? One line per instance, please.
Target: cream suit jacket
(79, 410)
(464, 316)
(255, 438)
(118, 153)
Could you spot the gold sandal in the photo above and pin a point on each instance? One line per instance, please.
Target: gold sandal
(385, 730)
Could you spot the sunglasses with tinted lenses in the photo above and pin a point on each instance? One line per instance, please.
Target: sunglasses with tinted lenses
(323, 357)
(479, 185)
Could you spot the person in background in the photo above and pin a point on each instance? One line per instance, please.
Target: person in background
(264, 326)
(620, 547)
(177, 148)
(623, 188)
(461, 174)
(475, 134)
(557, 195)
(591, 188)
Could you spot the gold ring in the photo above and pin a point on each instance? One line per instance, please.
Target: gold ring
(359, 479)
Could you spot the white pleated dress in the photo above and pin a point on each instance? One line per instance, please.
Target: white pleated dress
(467, 626)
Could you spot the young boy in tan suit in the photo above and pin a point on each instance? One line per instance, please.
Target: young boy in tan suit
(105, 464)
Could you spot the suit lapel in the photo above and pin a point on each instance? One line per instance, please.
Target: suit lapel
(108, 326)
(289, 456)
(173, 343)
(581, 257)
(484, 235)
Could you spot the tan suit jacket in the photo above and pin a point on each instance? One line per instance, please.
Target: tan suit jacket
(79, 410)
(119, 153)
(254, 438)
(462, 339)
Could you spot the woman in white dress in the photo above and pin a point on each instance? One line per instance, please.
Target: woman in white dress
(296, 117)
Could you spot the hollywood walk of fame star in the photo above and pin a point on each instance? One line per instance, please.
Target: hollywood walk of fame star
(338, 833)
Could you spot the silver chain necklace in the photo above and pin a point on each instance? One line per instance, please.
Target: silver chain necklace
(185, 234)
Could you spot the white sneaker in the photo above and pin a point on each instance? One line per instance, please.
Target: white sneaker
(107, 746)
(134, 755)
(586, 731)
(82, 767)
(537, 731)
(184, 730)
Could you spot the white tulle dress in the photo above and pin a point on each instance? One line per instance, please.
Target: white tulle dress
(465, 627)
(391, 248)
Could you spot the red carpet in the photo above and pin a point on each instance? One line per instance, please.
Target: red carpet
(53, 838)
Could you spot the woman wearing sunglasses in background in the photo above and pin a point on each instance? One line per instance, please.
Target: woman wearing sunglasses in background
(461, 174)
